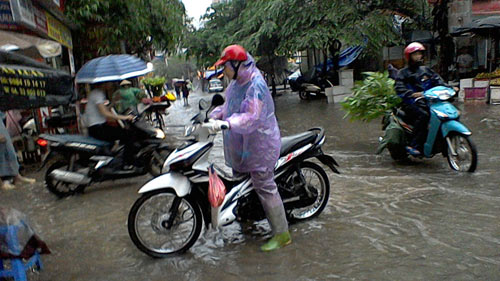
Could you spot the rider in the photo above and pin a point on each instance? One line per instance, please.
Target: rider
(97, 112)
(411, 82)
(252, 142)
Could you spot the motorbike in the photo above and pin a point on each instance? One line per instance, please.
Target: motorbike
(168, 216)
(446, 134)
(310, 84)
(86, 160)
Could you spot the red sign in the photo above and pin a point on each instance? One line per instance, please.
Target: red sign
(485, 8)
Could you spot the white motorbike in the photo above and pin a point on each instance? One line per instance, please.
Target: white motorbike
(168, 217)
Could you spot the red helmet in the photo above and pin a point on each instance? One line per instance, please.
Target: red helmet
(232, 52)
(412, 48)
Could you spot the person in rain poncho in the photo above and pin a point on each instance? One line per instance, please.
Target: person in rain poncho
(9, 167)
(252, 142)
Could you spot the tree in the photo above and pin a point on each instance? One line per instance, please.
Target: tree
(271, 29)
(133, 26)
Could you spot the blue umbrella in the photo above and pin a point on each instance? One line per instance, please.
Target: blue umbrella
(111, 68)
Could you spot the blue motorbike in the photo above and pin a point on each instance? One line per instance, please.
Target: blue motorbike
(446, 134)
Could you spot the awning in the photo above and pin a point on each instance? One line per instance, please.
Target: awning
(485, 26)
(12, 41)
(30, 84)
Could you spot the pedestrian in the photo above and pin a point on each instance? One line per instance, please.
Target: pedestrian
(411, 82)
(9, 166)
(464, 62)
(252, 142)
(96, 113)
(127, 97)
(177, 88)
(186, 88)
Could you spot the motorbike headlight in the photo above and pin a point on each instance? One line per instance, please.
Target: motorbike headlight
(160, 134)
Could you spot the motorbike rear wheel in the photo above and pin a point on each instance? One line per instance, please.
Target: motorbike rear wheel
(313, 178)
(60, 188)
(398, 152)
(303, 95)
(465, 156)
(155, 232)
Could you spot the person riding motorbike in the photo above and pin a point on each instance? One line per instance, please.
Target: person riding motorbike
(97, 112)
(252, 141)
(411, 82)
(127, 97)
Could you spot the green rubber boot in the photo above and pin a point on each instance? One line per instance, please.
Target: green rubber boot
(277, 241)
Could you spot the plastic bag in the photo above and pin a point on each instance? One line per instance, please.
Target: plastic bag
(17, 238)
(170, 96)
(216, 188)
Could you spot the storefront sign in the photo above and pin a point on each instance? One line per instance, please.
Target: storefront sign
(59, 32)
(23, 12)
(41, 20)
(6, 19)
(483, 8)
(26, 87)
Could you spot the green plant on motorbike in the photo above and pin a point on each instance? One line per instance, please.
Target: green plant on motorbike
(154, 84)
(371, 97)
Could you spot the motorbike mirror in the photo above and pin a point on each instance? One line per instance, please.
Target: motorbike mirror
(217, 100)
(203, 104)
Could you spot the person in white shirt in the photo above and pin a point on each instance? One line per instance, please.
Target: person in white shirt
(464, 62)
(97, 114)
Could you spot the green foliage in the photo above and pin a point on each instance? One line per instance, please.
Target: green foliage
(115, 26)
(154, 85)
(372, 97)
(274, 28)
(153, 81)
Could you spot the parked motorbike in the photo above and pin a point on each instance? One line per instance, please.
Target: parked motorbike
(446, 134)
(168, 217)
(86, 160)
(310, 84)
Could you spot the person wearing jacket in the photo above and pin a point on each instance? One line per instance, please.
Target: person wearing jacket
(411, 82)
(252, 141)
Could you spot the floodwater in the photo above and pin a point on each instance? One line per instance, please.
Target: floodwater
(384, 220)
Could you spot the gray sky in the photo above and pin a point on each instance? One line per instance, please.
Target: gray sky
(196, 8)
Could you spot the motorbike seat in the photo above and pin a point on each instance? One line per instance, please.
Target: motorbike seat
(294, 142)
(66, 138)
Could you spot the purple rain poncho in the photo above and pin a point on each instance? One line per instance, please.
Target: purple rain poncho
(253, 141)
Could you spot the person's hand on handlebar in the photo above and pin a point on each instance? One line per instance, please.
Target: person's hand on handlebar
(216, 125)
(127, 117)
(417, 95)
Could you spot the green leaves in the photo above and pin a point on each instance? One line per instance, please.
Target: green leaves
(372, 97)
(114, 26)
(154, 81)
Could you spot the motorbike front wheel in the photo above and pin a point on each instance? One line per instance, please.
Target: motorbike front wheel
(161, 224)
(313, 180)
(462, 153)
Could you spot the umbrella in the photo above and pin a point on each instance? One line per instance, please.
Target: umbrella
(112, 68)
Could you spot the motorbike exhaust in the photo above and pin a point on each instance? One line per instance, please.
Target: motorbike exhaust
(70, 177)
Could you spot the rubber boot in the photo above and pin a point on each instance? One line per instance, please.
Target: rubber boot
(277, 219)
(277, 241)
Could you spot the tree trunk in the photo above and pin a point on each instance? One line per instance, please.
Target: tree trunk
(447, 47)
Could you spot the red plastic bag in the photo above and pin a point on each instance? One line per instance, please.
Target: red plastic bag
(216, 188)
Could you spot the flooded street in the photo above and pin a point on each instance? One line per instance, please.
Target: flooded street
(384, 220)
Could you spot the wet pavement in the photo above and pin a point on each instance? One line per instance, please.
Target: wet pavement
(384, 221)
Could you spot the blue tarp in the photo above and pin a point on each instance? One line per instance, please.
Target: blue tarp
(346, 57)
